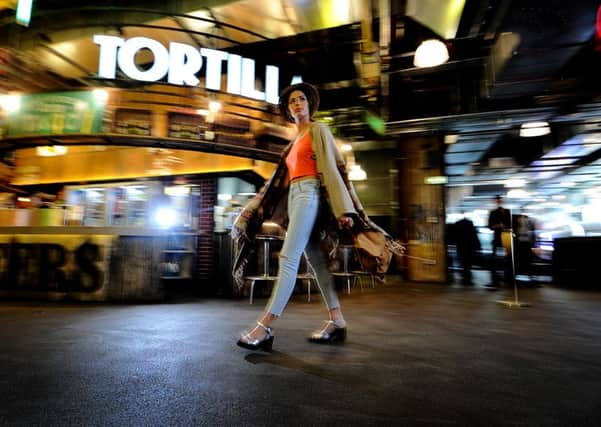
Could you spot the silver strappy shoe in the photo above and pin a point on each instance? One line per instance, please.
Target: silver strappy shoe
(265, 344)
(337, 335)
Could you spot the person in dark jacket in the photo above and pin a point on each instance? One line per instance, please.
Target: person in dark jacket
(467, 244)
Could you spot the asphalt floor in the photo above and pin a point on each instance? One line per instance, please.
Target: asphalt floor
(419, 354)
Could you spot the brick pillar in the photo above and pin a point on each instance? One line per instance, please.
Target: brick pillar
(422, 205)
(205, 263)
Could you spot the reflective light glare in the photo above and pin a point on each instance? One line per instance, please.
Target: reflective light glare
(202, 112)
(531, 129)
(165, 217)
(515, 183)
(51, 150)
(177, 190)
(100, 95)
(224, 197)
(133, 191)
(436, 180)
(23, 13)
(451, 138)
(517, 194)
(10, 103)
(592, 139)
(356, 173)
(551, 204)
(346, 147)
(214, 106)
(335, 12)
(202, 25)
(430, 54)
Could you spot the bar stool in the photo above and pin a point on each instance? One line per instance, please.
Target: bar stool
(360, 274)
(347, 251)
(266, 239)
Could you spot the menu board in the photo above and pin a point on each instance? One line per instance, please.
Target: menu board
(56, 114)
(186, 126)
(133, 122)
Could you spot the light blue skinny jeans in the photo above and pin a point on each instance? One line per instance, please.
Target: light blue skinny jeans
(303, 206)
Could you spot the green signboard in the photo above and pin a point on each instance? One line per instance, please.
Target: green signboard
(56, 114)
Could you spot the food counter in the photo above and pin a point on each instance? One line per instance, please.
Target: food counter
(89, 263)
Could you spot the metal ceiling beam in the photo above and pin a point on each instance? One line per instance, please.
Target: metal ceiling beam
(58, 23)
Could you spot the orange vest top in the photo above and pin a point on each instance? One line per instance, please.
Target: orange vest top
(301, 159)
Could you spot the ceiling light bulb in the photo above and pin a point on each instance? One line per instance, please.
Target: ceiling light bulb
(430, 54)
(100, 95)
(532, 129)
(517, 194)
(515, 183)
(214, 106)
(10, 103)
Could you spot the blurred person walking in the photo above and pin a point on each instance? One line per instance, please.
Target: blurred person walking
(468, 245)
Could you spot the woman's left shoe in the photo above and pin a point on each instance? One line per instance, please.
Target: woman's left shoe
(331, 333)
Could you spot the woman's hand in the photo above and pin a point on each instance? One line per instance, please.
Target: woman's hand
(345, 221)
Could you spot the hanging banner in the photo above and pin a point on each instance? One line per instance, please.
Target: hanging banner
(56, 113)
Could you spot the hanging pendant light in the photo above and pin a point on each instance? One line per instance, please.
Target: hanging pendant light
(430, 53)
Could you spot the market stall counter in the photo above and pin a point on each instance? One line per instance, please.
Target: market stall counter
(86, 263)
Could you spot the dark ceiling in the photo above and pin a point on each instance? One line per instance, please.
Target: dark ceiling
(511, 62)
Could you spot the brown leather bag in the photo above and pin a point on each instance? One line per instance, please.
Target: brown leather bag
(374, 251)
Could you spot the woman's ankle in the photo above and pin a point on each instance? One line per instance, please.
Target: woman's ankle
(268, 319)
(339, 322)
(336, 316)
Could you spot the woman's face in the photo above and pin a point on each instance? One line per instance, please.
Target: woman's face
(298, 106)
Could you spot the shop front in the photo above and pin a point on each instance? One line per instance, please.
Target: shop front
(166, 151)
(96, 220)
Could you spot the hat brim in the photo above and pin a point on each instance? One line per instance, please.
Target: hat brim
(308, 89)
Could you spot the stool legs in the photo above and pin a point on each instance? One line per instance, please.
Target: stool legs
(252, 289)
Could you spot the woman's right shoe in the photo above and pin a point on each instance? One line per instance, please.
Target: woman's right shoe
(328, 335)
(265, 344)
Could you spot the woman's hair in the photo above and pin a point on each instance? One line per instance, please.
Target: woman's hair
(310, 92)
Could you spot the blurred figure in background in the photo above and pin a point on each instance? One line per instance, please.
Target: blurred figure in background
(468, 244)
(525, 239)
(499, 220)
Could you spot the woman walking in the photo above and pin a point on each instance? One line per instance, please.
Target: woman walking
(319, 195)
